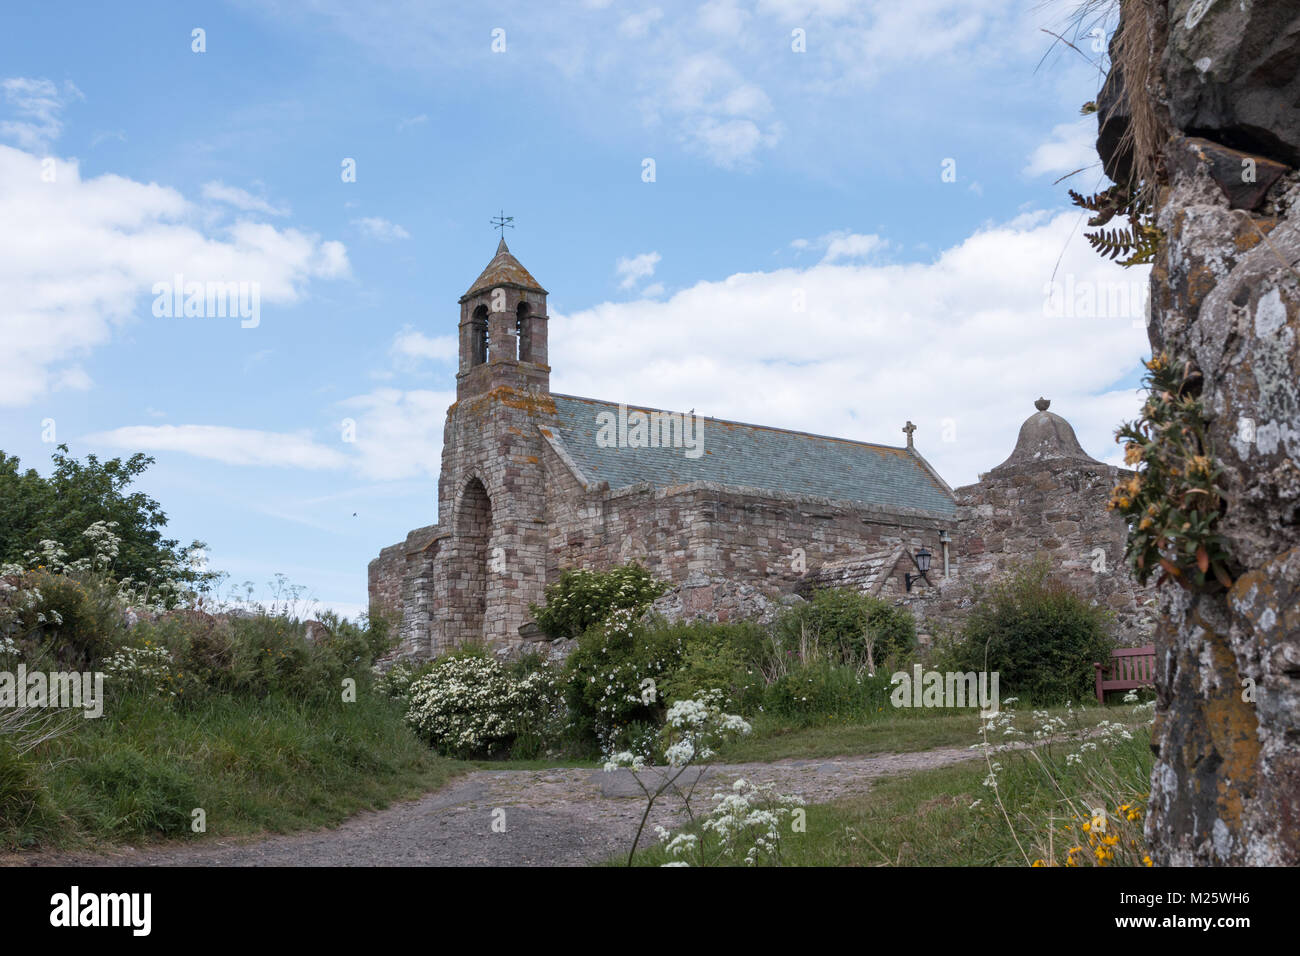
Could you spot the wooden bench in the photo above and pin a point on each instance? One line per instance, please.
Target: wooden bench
(1129, 669)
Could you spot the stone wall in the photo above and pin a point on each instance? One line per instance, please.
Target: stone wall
(1225, 296)
(744, 535)
(1055, 510)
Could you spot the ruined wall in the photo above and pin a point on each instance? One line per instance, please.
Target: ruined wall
(1225, 296)
(1055, 510)
(385, 576)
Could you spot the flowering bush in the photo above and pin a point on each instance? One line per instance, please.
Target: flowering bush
(76, 619)
(147, 670)
(582, 598)
(1175, 500)
(614, 679)
(469, 706)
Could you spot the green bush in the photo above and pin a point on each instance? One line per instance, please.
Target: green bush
(1037, 634)
(813, 692)
(854, 628)
(582, 598)
(77, 620)
(613, 681)
(260, 654)
(722, 657)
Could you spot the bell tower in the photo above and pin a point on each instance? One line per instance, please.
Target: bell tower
(491, 560)
(503, 330)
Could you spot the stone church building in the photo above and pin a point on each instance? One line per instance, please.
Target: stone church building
(535, 482)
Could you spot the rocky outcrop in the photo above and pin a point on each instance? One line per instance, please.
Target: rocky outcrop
(1225, 296)
(1232, 71)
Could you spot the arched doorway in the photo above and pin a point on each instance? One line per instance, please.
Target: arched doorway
(473, 531)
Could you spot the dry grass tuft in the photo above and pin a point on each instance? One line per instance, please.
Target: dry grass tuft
(1137, 52)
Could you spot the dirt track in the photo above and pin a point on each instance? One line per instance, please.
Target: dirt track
(559, 817)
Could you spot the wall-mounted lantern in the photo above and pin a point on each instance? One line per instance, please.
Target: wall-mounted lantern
(922, 561)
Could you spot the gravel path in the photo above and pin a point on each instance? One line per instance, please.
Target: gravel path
(558, 817)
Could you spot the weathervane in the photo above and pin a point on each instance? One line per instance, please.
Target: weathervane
(503, 222)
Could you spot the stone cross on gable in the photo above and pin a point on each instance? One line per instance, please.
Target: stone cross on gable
(908, 429)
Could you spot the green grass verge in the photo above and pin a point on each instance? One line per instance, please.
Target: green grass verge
(897, 731)
(932, 817)
(271, 765)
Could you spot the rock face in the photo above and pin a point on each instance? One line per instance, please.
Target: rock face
(1225, 295)
(1232, 70)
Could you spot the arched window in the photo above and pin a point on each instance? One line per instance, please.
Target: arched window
(479, 331)
(522, 329)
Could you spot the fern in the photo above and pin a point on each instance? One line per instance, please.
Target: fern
(1137, 243)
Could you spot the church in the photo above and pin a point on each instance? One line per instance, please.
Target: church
(534, 482)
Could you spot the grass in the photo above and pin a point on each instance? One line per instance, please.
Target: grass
(894, 732)
(932, 818)
(252, 766)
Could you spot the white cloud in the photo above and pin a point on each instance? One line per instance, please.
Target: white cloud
(241, 199)
(720, 76)
(1071, 146)
(636, 25)
(842, 246)
(38, 103)
(399, 433)
(633, 270)
(408, 122)
(231, 446)
(411, 346)
(963, 344)
(78, 257)
(719, 112)
(395, 435)
(373, 227)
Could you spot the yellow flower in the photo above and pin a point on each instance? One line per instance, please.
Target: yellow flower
(1147, 860)
(1038, 863)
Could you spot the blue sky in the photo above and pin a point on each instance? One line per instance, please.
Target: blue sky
(777, 174)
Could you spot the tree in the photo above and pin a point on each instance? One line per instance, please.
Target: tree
(79, 493)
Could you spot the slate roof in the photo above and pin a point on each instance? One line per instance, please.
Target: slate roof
(755, 456)
(503, 270)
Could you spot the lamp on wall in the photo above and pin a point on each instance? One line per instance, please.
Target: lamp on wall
(922, 561)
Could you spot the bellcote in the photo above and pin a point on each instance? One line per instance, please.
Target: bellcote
(503, 329)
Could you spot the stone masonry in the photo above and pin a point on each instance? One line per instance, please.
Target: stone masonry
(527, 490)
